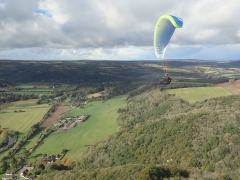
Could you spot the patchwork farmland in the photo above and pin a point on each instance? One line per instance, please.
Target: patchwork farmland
(100, 124)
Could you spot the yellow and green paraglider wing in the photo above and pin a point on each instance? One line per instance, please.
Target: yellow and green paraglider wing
(163, 32)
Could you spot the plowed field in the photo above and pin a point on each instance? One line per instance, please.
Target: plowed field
(233, 87)
(54, 116)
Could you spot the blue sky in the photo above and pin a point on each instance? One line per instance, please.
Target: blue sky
(117, 30)
(43, 12)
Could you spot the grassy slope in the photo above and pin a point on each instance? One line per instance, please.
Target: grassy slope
(102, 123)
(200, 93)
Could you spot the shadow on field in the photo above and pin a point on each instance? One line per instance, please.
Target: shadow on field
(64, 153)
(36, 156)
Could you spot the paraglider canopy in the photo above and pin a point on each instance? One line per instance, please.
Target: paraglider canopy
(163, 32)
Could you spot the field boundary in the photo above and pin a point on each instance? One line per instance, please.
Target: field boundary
(231, 86)
(54, 116)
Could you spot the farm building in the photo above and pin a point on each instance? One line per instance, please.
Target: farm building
(59, 125)
(83, 117)
(25, 170)
(71, 122)
(51, 159)
(9, 175)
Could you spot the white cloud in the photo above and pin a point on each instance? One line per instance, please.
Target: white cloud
(238, 34)
(114, 26)
(2, 5)
(206, 35)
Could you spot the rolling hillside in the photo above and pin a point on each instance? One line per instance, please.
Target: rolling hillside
(164, 136)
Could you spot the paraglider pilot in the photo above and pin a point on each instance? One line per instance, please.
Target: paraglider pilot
(166, 81)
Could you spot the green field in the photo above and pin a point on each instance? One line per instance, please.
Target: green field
(100, 124)
(22, 121)
(45, 91)
(30, 92)
(39, 89)
(25, 86)
(33, 140)
(199, 93)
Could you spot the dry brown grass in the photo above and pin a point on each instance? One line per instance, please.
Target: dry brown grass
(96, 95)
(41, 86)
(234, 87)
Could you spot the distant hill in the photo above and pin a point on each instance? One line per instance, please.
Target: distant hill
(115, 71)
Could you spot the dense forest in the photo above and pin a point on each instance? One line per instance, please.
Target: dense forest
(162, 136)
(104, 71)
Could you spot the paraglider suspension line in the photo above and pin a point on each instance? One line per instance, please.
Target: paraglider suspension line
(165, 69)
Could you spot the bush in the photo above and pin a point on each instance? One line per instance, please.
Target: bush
(209, 167)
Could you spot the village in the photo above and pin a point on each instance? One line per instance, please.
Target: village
(26, 170)
(23, 174)
(68, 123)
